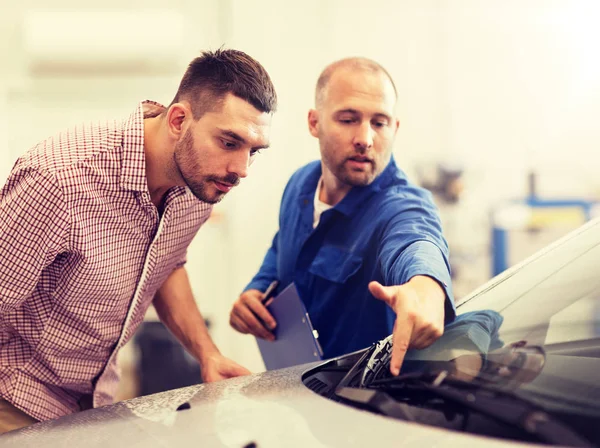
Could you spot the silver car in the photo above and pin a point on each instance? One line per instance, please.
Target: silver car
(519, 366)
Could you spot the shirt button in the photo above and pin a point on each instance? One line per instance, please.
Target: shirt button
(305, 202)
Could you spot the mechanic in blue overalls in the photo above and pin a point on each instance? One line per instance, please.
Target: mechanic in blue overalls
(362, 244)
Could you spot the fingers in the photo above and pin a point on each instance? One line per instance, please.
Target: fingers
(209, 378)
(403, 329)
(419, 316)
(219, 368)
(410, 331)
(248, 315)
(384, 293)
(426, 332)
(238, 324)
(230, 369)
(251, 322)
(237, 370)
(422, 341)
(255, 305)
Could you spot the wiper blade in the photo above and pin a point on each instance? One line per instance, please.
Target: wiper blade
(497, 405)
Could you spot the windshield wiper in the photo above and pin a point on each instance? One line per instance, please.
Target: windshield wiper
(498, 405)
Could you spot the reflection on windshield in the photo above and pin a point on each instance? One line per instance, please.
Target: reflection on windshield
(552, 298)
(471, 379)
(470, 370)
(471, 350)
(462, 351)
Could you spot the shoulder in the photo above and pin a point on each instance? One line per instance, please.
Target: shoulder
(31, 194)
(400, 193)
(304, 179)
(71, 147)
(27, 179)
(306, 172)
(401, 201)
(408, 190)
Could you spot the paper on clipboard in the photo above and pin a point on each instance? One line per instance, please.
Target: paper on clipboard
(295, 339)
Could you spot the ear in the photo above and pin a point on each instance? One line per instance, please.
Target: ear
(313, 122)
(177, 116)
(397, 127)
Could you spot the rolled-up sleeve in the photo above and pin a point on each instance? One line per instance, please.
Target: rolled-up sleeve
(425, 258)
(413, 244)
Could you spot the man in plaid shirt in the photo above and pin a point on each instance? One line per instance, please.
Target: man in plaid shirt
(94, 227)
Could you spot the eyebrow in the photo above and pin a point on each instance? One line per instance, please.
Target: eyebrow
(240, 139)
(354, 111)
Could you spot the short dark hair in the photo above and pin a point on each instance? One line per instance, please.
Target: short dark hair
(213, 74)
(355, 63)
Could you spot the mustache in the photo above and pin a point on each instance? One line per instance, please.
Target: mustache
(360, 157)
(230, 179)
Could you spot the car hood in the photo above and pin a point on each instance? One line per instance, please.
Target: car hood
(270, 409)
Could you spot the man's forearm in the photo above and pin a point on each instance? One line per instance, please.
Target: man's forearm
(177, 309)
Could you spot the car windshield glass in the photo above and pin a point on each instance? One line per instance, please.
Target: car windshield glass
(536, 328)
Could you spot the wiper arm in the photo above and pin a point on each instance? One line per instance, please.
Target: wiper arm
(500, 406)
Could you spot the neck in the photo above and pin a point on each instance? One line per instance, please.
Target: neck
(158, 160)
(332, 191)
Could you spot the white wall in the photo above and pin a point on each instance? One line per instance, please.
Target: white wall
(523, 83)
(42, 103)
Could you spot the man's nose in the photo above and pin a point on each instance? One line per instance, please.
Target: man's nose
(363, 139)
(239, 164)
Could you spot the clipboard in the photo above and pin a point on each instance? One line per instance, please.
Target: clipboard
(296, 342)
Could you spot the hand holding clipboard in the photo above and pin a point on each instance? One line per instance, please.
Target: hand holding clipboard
(296, 342)
(250, 315)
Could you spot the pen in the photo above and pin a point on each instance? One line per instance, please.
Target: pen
(270, 291)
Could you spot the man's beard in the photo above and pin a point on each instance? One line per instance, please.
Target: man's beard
(199, 189)
(185, 164)
(344, 173)
(354, 178)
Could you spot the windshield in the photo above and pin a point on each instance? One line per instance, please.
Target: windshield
(551, 301)
(531, 334)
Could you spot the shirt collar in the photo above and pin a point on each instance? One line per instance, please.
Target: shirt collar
(133, 169)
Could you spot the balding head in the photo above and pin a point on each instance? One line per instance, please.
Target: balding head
(355, 122)
(351, 64)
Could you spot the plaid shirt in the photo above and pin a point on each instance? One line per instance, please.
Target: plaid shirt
(82, 252)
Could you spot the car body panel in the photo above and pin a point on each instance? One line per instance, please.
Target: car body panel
(270, 409)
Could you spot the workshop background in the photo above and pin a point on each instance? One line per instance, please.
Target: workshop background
(499, 109)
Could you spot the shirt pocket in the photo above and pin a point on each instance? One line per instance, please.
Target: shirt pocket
(335, 264)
